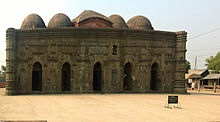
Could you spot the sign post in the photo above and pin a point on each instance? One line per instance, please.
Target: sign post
(173, 100)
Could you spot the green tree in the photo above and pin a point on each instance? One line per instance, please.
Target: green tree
(188, 66)
(3, 70)
(213, 62)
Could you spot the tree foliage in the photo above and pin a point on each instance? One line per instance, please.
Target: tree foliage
(188, 66)
(213, 62)
(3, 70)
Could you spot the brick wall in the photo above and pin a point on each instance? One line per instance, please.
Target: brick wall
(95, 23)
(2, 84)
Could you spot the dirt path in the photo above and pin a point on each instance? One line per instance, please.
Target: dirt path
(109, 108)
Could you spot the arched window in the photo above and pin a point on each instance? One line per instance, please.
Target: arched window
(155, 80)
(37, 77)
(66, 77)
(97, 77)
(127, 82)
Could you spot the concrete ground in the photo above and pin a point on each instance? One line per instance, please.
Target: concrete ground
(197, 106)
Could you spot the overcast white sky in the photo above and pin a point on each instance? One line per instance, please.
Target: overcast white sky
(194, 16)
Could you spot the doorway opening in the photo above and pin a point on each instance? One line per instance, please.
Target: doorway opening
(127, 83)
(155, 80)
(66, 77)
(97, 77)
(37, 77)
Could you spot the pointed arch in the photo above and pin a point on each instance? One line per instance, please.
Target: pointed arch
(37, 77)
(155, 83)
(97, 77)
(127, 81)
(66, 77)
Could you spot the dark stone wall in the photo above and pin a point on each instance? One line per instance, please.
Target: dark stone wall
(82, 48)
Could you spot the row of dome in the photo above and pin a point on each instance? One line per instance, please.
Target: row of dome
(61, 20)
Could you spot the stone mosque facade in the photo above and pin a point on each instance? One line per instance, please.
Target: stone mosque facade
(93, 54)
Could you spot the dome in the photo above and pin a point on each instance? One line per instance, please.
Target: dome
(87, 14)
(32, 21)
(60, 20)
(118, 22)
(139, 23)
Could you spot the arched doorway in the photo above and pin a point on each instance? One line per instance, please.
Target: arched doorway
(155, 81)
(97, 77)
(37, 77)
(66, 77)
(127, 83)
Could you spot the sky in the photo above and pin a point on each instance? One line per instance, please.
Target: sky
(200, 18)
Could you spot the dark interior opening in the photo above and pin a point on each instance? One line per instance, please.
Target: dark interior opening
(155, 81)
(114, 50)
(37, 77)
(127, 84)
(66, 77)
(97, 77)
(205, 82)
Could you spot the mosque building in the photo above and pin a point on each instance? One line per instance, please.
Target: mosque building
(93, 54)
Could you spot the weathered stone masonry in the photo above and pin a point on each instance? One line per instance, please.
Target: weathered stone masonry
(94, 59)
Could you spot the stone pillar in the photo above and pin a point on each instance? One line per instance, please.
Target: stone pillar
(214, 86)
(10, 62)
(82, 78)
(179, 78)
(82, 72)
(198, 85)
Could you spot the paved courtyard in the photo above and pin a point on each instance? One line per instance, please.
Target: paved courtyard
(203, 106)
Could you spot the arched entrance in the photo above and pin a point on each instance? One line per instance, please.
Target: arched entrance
(155, 81)
(97, 77)
(37, 77)
(66, 77)
(127, 83)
